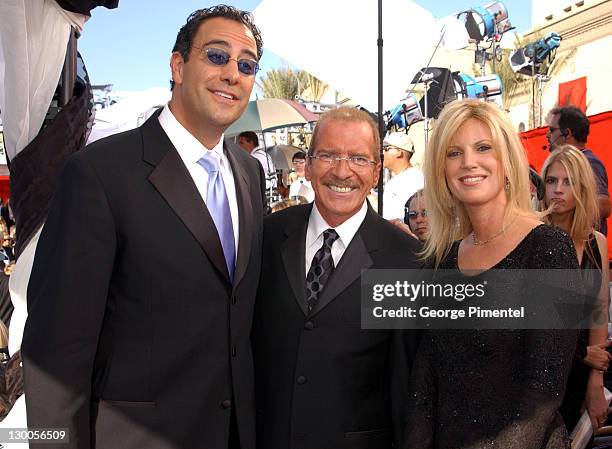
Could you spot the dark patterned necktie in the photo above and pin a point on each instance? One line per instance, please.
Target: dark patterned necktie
(321, 268)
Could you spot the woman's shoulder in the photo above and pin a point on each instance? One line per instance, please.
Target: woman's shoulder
(601, 240)
(549, 247)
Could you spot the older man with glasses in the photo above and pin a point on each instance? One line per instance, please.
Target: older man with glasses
(321, 380)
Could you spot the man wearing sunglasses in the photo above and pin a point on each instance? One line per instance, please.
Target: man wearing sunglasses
(133, 344)
(321, 380)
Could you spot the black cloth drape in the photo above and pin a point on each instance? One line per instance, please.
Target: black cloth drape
(85, 6)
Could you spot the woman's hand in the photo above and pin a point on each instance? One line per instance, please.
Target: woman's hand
(597, 357)
(595, 401)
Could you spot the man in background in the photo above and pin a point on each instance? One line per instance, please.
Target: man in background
(569, 125)
(406, 179)
(249, 142)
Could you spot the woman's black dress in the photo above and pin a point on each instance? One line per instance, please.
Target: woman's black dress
(579, 374)
(494, 388)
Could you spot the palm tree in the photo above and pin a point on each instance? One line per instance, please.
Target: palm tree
(280, 83)
(314, 87)
(287, 84)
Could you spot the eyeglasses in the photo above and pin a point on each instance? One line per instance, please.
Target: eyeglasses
(218, 57)
(413, 214)
(354, 162)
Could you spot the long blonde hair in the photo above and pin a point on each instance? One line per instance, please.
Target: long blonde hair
(449, 220)
(582, 184)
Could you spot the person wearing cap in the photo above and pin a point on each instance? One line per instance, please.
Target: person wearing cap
(406, 179)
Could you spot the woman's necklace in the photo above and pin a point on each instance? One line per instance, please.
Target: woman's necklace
(484, 242)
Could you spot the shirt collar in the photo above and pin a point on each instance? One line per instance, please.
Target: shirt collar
(346, 231)
(189, 148)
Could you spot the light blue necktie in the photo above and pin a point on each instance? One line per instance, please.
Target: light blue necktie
(218, 206)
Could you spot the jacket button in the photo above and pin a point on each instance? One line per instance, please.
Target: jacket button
(234, 351)
(309, 325)
(301, 380)
(226, 404)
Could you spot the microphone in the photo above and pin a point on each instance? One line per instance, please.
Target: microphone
(548, 147)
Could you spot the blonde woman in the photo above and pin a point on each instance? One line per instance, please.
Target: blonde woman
(571, 196)
(486, 388)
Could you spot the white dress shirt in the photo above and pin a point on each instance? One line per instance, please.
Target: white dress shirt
(346, 231)
(191, 150)
(265, 160)
(397, 191)
(302, 187)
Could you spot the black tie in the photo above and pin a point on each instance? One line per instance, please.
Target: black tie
(321, 268)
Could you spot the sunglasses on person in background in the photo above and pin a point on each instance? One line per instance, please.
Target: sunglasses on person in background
(220, 58)
(413, 214)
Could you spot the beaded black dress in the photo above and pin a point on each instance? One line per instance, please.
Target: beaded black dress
(494, 388)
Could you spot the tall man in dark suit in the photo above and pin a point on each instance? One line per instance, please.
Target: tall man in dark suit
(141, 296)
(321, 381)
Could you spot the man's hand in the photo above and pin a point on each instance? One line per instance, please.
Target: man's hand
(597, 357)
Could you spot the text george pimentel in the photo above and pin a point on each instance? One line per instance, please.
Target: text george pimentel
(458, 292)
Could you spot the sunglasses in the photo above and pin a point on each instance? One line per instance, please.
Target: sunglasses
(220, 58)
(413, 214)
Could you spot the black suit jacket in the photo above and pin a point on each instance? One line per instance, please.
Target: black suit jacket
(135, 336)
(322, 382)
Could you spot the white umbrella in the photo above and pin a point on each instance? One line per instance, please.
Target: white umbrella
(271, 113)
(282, 154)
(336, 42)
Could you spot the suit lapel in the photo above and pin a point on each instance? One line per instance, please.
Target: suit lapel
(355, 259)
(172, 180)
(245, 213)
(293, 252)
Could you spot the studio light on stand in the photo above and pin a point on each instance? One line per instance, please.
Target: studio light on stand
(487, 24)
(405, 114)
(488, 87)
(529, 61)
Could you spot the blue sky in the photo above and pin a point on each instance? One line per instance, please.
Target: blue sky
(130, 47)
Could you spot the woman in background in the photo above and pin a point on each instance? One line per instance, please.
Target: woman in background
(571, 198)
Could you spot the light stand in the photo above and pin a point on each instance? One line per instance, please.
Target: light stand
(426, 79)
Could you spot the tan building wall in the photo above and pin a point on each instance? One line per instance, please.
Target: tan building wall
(586, 46)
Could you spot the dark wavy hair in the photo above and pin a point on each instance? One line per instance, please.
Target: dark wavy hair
(185, 36)
(572, 118)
